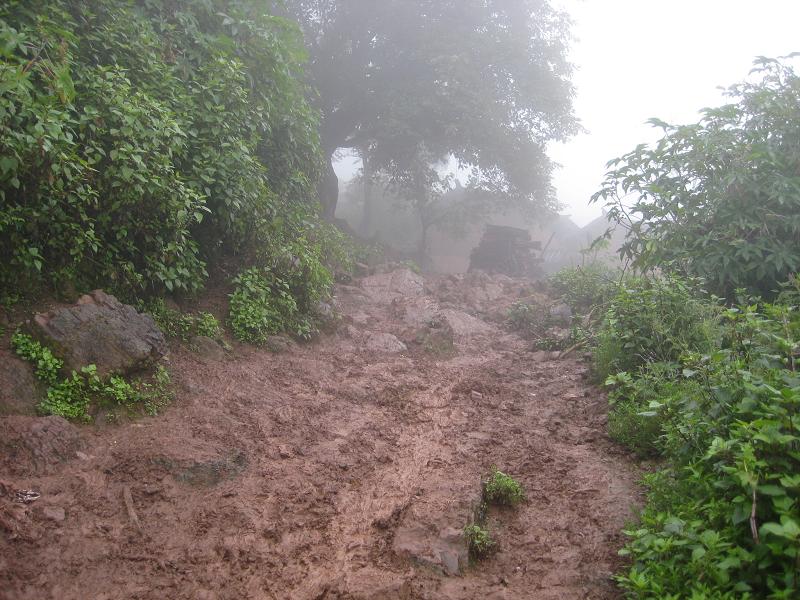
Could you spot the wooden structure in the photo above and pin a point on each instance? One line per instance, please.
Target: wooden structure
(507, 250)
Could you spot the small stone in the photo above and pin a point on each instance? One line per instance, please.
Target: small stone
(82, 455)
(278, 344)
(208, 348)
(384, 342)
(284, 451)
(54, 513)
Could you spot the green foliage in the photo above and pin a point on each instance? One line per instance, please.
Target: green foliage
(723, 515)
(719, 199)
(260, 306)
(141, 140)
(207, 325)
(656, 319)
(73, 396)
(479, 541)
(502, 489)
(183, 326)
(585, 288)
(548, 332)
(46, 365)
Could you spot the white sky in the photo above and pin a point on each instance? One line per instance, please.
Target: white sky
(638, 59)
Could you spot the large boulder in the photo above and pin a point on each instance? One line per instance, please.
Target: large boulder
(102, 331)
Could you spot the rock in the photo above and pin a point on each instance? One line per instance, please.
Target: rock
(445, 550)
(278, 344)
(385, 287)
(561, 313)
(100, 330)
(35, 445)
(326, 313)
(20, 392)
(54, 513)
(540, 356)
(284, 451)
(384, 342)
(208, 348)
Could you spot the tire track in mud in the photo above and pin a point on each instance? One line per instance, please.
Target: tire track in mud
(358, 469)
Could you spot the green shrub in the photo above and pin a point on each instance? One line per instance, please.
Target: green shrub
(723, 515)
(46, 365)
(655, 319)
(718, 198)
(586, 288)
(502, 489)
(479, 541)
(140, 141)
(207, 325)
(183, 326)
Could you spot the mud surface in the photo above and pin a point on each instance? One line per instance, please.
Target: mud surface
(345, 468)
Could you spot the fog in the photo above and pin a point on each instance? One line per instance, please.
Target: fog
(635, 60)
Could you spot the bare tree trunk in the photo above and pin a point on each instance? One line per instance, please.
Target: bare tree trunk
(328, 190)
(366, 221)
(422, 250)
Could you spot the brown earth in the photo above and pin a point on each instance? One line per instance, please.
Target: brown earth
(344, 468)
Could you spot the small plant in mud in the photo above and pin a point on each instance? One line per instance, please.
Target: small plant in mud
(501, 489)
(479, 541)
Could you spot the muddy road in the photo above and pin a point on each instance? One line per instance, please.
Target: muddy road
(344, 468)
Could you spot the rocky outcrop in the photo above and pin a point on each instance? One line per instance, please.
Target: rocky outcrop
(100, 330)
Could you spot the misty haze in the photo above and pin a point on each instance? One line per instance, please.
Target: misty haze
(409, 299)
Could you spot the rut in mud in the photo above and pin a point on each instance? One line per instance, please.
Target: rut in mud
(344, 468)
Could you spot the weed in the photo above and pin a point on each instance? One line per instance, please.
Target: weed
(182, 326)
(502, 489)
(479, 541)
(207, 325)
(46, 365)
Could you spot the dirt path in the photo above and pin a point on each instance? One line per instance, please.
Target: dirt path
(340, 469)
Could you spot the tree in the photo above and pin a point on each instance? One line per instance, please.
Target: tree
(484, 81)
(719, 199)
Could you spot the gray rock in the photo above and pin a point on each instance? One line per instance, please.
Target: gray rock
(54, 513)
(384, 342)
(208, 348)
(561, 313)
(100, 330)
(279, 344)
(444, 550)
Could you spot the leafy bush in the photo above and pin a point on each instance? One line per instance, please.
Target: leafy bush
(502, 489)
(141, 140)
(587, 287)
(655, 319)
(46, 365)
(183, 326)
(260, 306)
(719, 199)
(479, 541)
(724, 512)
(73, 396)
